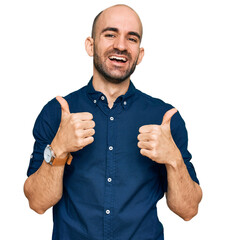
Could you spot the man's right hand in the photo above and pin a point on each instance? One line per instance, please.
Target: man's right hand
(76, 130)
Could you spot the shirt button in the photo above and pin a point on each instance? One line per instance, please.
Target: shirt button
(95, 101)
(110, 148)
(108, 212)
(125, 103)
(109, 179)
(102, 97)
(111, 118)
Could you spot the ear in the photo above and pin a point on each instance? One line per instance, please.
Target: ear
(89, 46)
(140, 57)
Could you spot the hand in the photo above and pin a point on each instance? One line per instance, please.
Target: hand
(156, 141)
(75, 130)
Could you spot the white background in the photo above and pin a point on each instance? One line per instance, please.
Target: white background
(42, 55)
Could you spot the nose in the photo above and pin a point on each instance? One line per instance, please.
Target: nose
(120, 43)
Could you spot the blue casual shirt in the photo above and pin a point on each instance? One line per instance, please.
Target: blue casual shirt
(110, 190)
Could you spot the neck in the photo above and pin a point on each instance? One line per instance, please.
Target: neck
(111, 90)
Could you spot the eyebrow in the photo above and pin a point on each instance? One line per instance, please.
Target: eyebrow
(113, 29)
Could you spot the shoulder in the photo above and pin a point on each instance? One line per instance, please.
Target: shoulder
(154, 105)
(53, 108)
(159, 107)
(149, 99)
(75, 95)
(50, 115)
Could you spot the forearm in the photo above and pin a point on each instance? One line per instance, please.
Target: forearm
(183, 194)
(44, 188)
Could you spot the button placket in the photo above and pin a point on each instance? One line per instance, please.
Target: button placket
(110, 173)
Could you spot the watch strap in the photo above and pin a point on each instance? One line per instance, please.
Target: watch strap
(62, 161)
(55, 161)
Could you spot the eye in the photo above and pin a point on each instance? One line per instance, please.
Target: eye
(133, 40)
(108, 35)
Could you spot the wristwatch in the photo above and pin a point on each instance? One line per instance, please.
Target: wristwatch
(51, 159)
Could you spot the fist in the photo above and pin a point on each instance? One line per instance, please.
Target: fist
(156, 141)
(76, 130)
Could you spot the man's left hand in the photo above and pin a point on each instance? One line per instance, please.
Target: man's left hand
(156, 141)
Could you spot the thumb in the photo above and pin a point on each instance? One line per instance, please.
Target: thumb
(64, 105)
(168, 115)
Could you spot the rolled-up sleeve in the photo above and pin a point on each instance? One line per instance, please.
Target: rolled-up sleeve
(45, 128)
(180, 137)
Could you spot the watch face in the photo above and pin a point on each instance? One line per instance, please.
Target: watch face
(47, 154)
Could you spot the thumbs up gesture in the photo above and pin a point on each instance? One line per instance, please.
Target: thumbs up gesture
(76, 131)
(156, 142)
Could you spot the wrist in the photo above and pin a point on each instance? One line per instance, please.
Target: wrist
(175, 161)
(58, 150)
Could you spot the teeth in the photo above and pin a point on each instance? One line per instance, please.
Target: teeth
(118, 58)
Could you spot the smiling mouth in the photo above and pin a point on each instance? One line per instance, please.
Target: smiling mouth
(118, 59)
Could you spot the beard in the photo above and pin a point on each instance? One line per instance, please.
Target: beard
(107, 73)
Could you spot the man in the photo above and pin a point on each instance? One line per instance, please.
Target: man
(120, 170)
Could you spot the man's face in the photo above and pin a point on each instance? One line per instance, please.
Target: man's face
(117, 44)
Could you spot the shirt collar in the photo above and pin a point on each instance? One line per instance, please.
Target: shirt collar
(95, 95)
(124, 99)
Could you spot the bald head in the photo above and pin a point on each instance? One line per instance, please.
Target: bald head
(119, 9)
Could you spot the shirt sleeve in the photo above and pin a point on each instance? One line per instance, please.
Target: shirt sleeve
(180, 137)
(45, 128)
